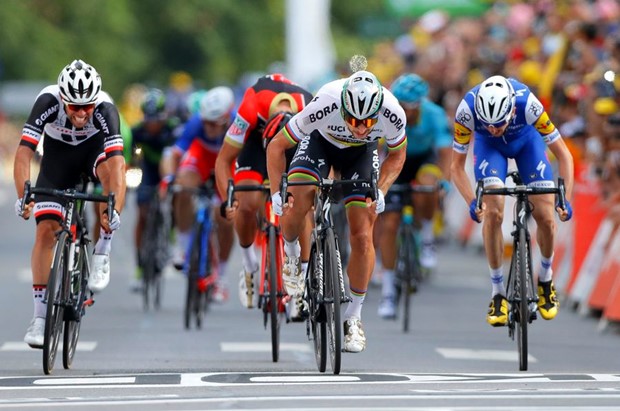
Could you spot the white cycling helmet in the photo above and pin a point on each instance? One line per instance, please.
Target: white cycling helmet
(216, 103)
(495, 101)
(362, 95)
(79, 83)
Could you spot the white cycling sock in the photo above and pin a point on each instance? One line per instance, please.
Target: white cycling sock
(40, 307)
(248, 256)
(292, 248)
(354, 309)
(183, 239)
(497, 279)
(387, 286)
(545, 269)
(428, 237)
(304, 268)
(221, 269)
(104, 244)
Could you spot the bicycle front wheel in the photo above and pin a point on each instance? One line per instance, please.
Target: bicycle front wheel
(314, 295)
(77, 297)
(272, 272)
(333, 299)
(405, 266)
(524, 313)
(192, 297)
(55, 296)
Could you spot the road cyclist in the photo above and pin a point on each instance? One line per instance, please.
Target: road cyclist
(505, 120)
(427, 164)
(340, 128)
(82, 136)
(189, 164)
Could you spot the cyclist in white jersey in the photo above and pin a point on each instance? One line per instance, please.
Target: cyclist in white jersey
(82, 129)
(340, 129)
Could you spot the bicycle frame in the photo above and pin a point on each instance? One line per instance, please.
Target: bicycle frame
(521, 295)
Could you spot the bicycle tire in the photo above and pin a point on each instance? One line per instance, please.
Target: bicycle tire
(272, 272)
(77, 295)
(524, 314)
(55, 310)
(333, 294)
(191, 298)
(406, 275)
(153, 249)
(316, 319)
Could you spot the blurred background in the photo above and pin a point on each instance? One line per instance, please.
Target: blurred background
(568, 51)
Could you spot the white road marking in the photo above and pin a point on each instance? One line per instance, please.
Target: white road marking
(305, 378)
(22, 346)
(261, 347)
(85, 381)
(489, 355)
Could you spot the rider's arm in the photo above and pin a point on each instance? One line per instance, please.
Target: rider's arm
(391, 167)
(224, 166)
(21, 168)
(459, 176)
(276, 159)
(565, 164)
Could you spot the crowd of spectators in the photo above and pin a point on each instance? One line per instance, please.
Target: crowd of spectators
(567, 52)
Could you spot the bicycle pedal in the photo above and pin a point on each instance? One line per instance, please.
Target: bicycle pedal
(89, 302)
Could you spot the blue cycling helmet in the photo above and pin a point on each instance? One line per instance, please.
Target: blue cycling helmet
(409, 88)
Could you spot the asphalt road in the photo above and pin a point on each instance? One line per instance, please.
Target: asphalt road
(450, 360)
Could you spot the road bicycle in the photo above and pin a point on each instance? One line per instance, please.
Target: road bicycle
(324, 282)
(67, 294)
(154, 250)
(201, 262)
(272, 298)
(520, 290)
(408, 271)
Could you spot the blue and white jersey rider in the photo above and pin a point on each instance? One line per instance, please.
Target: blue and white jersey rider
(529, 131)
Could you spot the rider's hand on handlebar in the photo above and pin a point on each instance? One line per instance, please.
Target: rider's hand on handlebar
(476, 214)
(227, 212)
(565, 214)
(379, 204)
(25, 212)
(111, 224)
(276, 203)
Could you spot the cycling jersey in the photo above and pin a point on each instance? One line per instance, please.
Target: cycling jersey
(524, 139)
(259, 102)
(325, 141)
(431, 132)
(323, 114)
(49, 117)
(193, 130)
(69, 152)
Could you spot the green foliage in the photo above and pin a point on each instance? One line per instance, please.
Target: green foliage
(128, 41)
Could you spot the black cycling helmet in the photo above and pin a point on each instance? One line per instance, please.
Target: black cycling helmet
(153, 104)
(275, 124)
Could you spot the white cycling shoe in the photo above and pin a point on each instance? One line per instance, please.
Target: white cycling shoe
(100, 275)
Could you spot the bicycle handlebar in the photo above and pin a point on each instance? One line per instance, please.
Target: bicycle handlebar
(560, 191)
(70, 194)
(329, 183)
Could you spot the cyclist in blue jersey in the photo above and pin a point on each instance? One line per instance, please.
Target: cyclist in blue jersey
(191, 162)
(427, 163)
(506, 121)
(155, 133)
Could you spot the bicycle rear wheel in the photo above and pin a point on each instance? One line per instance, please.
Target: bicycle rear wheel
(524, 314)
(333, 299)
(77, 295)
(314, 295)
(272, 272)
(55, 296)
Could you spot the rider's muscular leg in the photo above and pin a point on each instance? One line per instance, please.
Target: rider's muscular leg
(246, 222)
(293, 221)
(387, 239)
(492, 234)
(544, 215)
(42, 252)
(362, 260)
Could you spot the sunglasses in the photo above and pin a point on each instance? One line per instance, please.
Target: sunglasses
(356, 122)
(78, 107)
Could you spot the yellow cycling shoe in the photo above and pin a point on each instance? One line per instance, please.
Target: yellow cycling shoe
(548, 303)
(498, 311)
